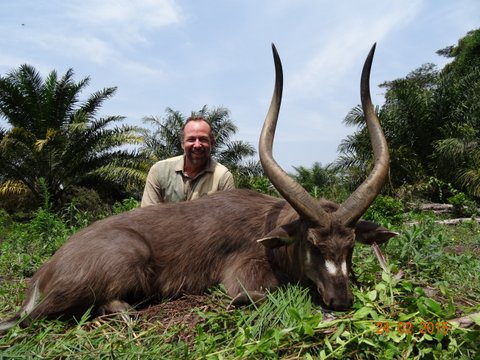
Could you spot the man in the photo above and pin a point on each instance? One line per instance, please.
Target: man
(191, 175)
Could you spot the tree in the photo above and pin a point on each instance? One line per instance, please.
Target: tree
(56, 137)
(430, 119)
(164, 141)
(321, 181)
(458, 151)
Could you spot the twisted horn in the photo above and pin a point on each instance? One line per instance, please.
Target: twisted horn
(305, 205)
(358, 202)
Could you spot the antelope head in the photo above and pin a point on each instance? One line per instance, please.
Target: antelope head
(325, 232)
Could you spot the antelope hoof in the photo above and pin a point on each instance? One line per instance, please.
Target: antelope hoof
(116, 307)
(247, 298)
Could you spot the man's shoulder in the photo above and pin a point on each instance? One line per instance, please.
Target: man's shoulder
(170, 163)
(216, 167)
(222, 176)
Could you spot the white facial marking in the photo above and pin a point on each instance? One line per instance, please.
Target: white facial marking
(344, 268)
(331, 268)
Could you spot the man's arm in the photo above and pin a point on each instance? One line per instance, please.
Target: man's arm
(227, 182)
(152, 192)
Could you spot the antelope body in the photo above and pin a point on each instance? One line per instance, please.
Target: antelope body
(247, 241)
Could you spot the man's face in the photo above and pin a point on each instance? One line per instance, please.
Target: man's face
(197, 144)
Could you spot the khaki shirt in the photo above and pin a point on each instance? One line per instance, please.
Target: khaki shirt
(167, 182)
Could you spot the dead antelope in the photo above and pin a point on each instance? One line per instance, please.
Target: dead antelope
(247, 241)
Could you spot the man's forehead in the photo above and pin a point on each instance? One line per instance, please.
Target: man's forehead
(197, 127)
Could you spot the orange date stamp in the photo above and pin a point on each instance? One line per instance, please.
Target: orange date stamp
(408, 327)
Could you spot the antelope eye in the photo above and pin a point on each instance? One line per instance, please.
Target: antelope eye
(316, 251)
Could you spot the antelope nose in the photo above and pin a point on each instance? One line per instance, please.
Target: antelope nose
(340, 304)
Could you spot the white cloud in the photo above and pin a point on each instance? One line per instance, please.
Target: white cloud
(92, 49)
(143, 14)
(347, 46)
(122, 25)
(140, 69)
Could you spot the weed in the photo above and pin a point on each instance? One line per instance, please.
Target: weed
(385, 210)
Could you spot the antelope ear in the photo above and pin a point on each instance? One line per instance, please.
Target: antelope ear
(273, 242)
(368, 232)
(281, 236)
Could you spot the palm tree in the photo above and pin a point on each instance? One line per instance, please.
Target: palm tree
(458, 151)
(163, 140)
(407, 121)
(56, 137)
(431, 120)
(321, 181)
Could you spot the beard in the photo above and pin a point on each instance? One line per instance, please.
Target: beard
(198, 157)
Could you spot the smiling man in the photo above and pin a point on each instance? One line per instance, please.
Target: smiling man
(191, 175)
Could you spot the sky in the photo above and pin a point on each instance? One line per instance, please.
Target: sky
(184, 54)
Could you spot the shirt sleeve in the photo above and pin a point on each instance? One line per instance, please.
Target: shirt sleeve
(227, 182)
(152, 192)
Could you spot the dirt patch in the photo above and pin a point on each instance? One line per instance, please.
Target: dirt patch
(182, 313)
(177, 311)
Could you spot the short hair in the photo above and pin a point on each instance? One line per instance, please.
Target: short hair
(195, 117)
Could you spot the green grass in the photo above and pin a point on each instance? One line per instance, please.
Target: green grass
(393, 316)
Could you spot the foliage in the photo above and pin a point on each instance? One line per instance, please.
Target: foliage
(125, 205)
(463, 205)
(55, 136)
(27, 246)
(423, 253)
(262, 185)
(385, 210)
(321, 182)
(5, 223)
(431, 120)
(465, 54)
(82, 206)
(19, 205)
(457, 151)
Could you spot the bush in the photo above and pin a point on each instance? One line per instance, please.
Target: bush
(5, 223)
(125, 205)
(262, 185)
(385, 210)
(26, 246)
(21, 206)
(463, 205)
(84, 201)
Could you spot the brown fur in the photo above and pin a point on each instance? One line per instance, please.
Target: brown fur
(166, 250)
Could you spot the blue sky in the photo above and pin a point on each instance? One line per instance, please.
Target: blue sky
(185, 54)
